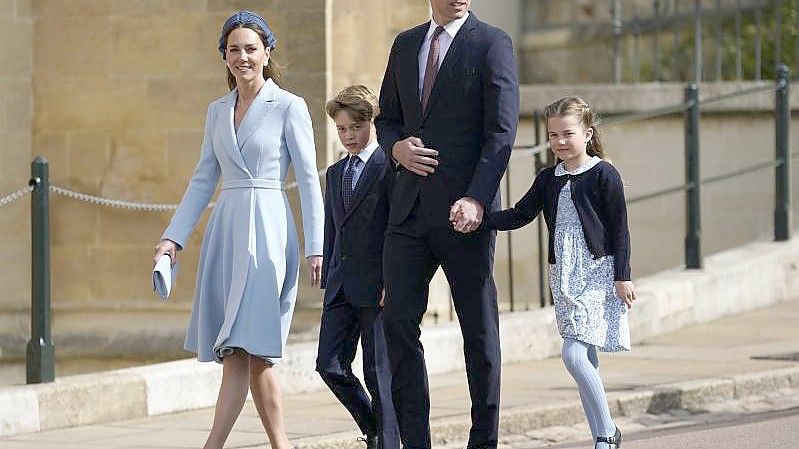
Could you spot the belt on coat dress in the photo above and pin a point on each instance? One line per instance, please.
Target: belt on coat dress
(254, 183)
(249, 224)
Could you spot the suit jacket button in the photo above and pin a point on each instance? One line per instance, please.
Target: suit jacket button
(344, 257)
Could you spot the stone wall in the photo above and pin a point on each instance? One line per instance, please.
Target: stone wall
(16, 121)
(120, 92)
(361, 36)
(113, 93)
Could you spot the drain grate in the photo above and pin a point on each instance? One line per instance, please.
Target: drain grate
(788, 356)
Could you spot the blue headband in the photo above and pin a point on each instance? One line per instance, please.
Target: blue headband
(246, 18)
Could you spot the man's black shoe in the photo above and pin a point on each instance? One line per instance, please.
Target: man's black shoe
(372, 441)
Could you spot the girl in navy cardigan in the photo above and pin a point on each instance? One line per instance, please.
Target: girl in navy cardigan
(582, 199)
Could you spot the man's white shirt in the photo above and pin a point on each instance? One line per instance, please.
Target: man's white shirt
(444, 41)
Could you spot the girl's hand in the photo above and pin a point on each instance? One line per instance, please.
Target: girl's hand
(315, 269)
(167, 247)
(626, 291)
(383, 298)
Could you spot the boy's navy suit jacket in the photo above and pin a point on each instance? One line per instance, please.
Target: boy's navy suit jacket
(353, 243)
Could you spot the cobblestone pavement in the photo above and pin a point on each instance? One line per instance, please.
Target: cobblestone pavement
(560, 436)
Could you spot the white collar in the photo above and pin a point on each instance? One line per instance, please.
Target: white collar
(367, 152)
(560, 169)
(451, 28)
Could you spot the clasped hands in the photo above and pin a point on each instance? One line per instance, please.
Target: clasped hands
(466, 214)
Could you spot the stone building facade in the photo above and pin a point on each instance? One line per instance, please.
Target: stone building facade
(113, 93)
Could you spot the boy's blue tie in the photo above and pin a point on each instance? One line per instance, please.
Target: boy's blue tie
(349, 174)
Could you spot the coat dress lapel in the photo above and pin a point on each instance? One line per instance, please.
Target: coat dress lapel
(227, 134)
(260, 108)
(263, 103)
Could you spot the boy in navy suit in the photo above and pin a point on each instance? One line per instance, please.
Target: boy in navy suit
(356, 212)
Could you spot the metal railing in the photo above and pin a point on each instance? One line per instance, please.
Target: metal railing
(693, 181)
(40, 350)
(672, 40)
(40, 353)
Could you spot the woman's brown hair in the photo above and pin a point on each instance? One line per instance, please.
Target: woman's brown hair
(578, 107)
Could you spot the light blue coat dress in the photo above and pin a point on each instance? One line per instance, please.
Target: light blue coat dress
(249, 262)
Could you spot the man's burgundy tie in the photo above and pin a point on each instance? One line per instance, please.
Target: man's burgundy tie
(431, 70)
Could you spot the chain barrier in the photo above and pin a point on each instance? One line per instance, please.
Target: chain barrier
(19, 194)
(119, 204)
(132, 205)
(108, 202)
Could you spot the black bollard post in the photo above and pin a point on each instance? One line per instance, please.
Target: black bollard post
(40, 354)
(782, 175)
(693, 211)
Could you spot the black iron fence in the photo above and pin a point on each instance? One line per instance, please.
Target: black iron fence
(690, 108)
(666, 40)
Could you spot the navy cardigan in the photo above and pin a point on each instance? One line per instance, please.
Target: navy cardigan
(598, 195)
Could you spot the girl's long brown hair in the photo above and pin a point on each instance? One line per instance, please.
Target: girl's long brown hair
(271, 70)
(578, 107)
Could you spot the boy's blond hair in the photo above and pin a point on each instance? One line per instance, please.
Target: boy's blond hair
(358, 100)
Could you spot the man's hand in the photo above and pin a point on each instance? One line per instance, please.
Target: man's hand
(466, 214)
(412, 154)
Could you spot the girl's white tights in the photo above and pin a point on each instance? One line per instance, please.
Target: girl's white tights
(581, 360)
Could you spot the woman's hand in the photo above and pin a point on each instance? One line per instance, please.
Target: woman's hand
(626, 291)
(315, 269)
(167, 247)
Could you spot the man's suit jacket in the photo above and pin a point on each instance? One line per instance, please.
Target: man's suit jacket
(353, 242)
(471, 119)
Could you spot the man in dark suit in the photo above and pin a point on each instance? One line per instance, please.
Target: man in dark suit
(356, 210)
(449, 109)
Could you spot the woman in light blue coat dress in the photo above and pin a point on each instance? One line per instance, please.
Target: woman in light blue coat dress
(249, 262)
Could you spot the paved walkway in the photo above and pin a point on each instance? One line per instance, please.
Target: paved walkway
(641, 430)
(720, 349)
